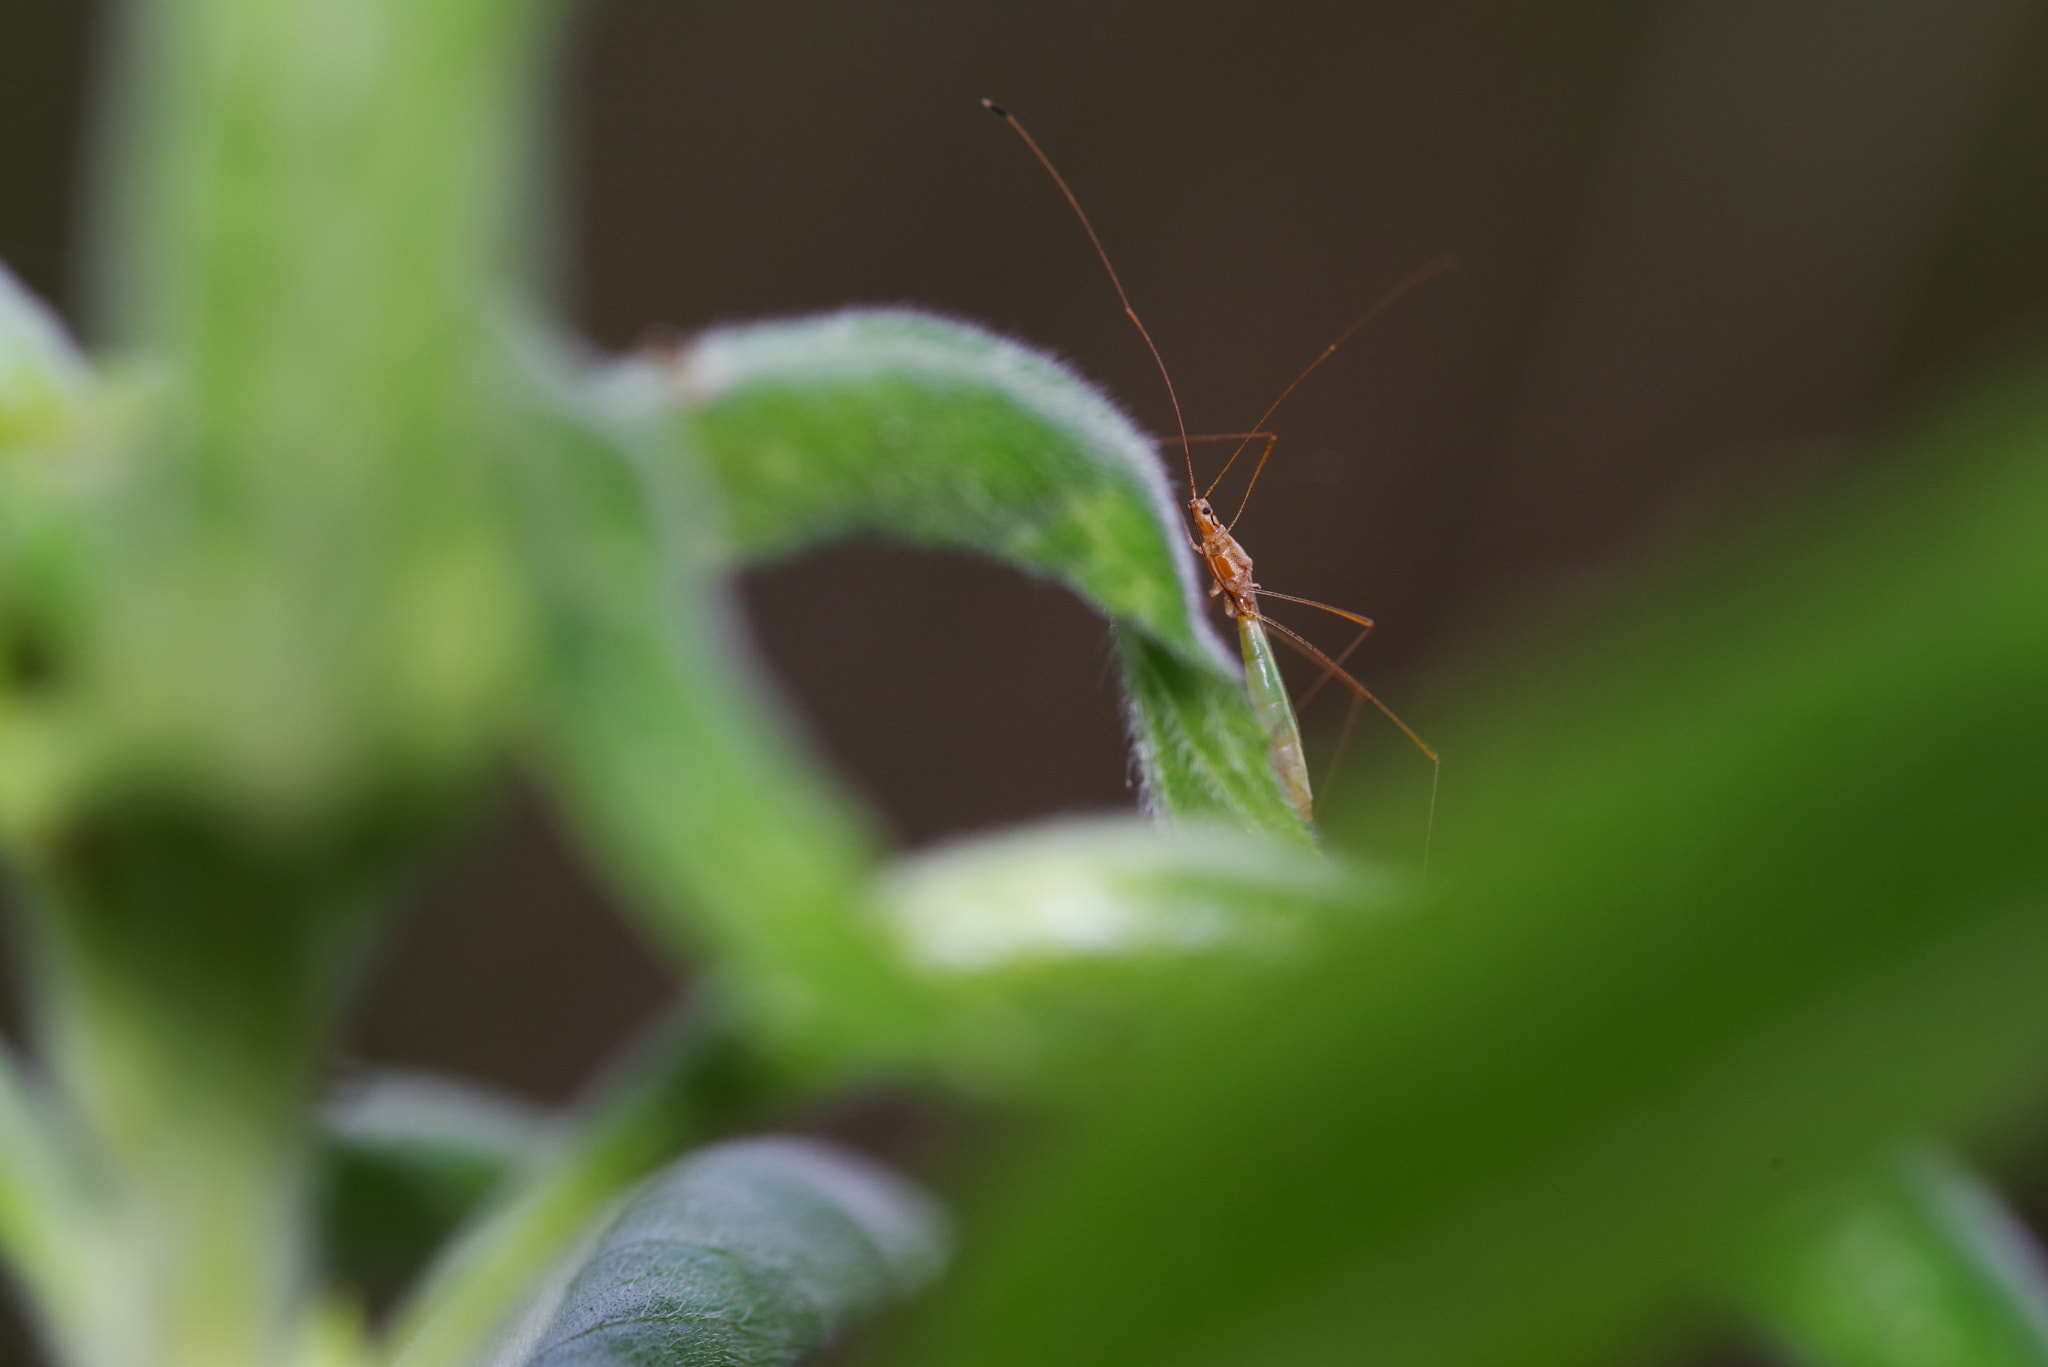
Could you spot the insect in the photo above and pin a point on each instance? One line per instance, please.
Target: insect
(1230, 567)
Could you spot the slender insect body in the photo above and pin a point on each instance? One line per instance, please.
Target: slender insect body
(1230, 578)
(1267, 692)
(1230, 568)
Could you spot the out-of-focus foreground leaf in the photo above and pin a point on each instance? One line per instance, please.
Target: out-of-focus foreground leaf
(53, 426)
(279, 627)
(747, 1255)
(1057, 944)
(1918, 1267)
(686, 1073)
(932, 433)
(1746, 893)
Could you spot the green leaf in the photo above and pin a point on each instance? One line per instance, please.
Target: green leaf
(726, 836)
(406, 1157)
(932, 433)
(303, 625)
(1055, 945)
(1919, 1266)
(689, 1073)
(672, 761)
(751, 1254)
(665, 742)
(56, 436)
(1190, 741)
(1732, 898)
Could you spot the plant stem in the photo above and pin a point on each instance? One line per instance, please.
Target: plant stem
(186, 976)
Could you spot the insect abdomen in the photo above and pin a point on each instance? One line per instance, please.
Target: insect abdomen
(1268, 694)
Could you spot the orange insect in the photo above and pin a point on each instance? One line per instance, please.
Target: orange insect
(1230, 567)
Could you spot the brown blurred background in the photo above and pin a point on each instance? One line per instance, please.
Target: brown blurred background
(1706, 245)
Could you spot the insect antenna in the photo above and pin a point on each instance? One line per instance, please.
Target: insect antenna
(1186, 451)
(1421, 275)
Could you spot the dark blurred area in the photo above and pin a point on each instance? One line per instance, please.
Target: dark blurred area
(1706, 244)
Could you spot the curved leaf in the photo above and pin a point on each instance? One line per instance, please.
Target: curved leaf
(750, 1254)
(1198, 748)
(878, 423)
(667, 748)
(664, 739)
(930, 432)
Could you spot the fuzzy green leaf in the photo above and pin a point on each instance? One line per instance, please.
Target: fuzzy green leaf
(1189, 735)
(751, 1254)
(673, 766)
(665, 745)
(932, 433)
(887, 424)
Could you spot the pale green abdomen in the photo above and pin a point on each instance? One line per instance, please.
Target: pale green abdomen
(1268, 695)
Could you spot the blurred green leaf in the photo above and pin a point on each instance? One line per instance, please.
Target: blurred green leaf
(932, 433)
(406, 1157)
(55, 434)
(1055, 945)
(186, 977)
(1732, 898)
(263, 630)
(751, 1254)
(1919, 1266)
(1108, 887)
(314, 210)
(691, 1072)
